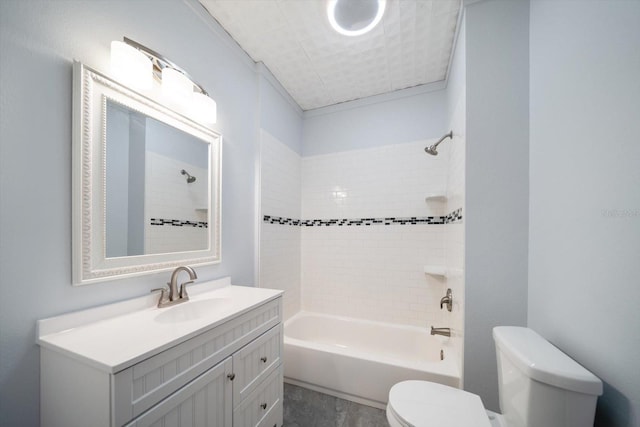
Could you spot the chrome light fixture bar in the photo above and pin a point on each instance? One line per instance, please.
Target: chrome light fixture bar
(160, 62)
(136, 64)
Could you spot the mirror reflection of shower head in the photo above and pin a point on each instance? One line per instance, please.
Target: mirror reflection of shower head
(190, 178)
(433, 150)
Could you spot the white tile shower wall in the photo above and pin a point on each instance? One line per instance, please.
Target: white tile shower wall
(389, 181)
(374, 272)
(169, 196)
(280, 244)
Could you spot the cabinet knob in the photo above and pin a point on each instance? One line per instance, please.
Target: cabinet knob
(231, 376)
(263, 406)
(263, 359)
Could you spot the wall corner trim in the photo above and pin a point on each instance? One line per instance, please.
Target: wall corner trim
(375, 99)
(264, 71)
(201, 12)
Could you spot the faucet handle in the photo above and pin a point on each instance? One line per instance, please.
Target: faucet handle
(164, 295)
(448, 300)
(183, 290)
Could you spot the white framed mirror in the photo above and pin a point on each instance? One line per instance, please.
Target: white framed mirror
(146, 183)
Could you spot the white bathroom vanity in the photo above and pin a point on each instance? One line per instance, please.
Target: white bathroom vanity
(215, 360)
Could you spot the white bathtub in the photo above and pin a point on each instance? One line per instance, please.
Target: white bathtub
(360, 360)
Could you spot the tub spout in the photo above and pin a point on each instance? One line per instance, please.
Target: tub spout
(441, 331)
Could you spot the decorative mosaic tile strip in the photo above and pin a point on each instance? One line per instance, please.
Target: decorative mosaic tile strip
(179, 223)
(280, 220)
(453, 217)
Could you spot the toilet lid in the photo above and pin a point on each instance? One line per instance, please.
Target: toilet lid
(425, 404)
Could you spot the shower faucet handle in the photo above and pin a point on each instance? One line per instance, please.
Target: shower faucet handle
(448, 300)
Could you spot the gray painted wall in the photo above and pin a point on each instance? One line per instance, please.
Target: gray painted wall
(382, 120)
(38, 41)
(584, 250)
(279, 114)
(171, 142)
(456, 83)
(497, 183)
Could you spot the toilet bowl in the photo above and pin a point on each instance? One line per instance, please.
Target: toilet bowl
(538, 386)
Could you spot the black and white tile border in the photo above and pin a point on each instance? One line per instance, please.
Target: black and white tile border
(179, 223)
(453, 217)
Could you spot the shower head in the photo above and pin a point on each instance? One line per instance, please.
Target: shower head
(190, 178)
(433, 150)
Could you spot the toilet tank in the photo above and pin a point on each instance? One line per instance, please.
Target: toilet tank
(539, 385)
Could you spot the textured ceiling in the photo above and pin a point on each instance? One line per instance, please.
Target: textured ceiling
(319, 67)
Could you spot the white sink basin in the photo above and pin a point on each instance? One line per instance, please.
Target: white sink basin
(191, 310)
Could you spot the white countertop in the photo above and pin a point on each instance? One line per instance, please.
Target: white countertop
(114, 337)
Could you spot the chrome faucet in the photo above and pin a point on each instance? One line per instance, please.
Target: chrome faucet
(175, 296)
(448, 300)
(441, 331)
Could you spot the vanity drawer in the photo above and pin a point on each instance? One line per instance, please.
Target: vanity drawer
(273, 418)
(139, 387)
(255, 361)
(263, 406)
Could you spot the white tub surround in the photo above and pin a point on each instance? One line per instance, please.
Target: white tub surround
(368, 231)
(132, 363)
(361, 360)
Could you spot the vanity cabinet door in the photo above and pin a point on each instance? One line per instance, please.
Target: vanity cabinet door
(204, 402)
(255, 361)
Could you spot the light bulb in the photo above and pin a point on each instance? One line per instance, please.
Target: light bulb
(130, 66)
(203, 108)
(176, 87)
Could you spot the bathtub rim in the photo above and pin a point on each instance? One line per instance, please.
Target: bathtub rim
(447, 367)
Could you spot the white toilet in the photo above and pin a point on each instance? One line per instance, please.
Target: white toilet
(539, 386)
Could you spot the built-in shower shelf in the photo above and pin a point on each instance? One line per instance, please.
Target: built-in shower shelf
(435, 197)
(442, 271)
(435, 270)
(202, 209)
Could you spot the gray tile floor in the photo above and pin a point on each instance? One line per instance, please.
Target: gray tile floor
(307, 408)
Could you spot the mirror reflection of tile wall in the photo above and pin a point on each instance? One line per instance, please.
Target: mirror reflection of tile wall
(176, 213)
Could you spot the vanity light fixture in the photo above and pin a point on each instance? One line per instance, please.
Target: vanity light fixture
(136, 65)
(355, 17)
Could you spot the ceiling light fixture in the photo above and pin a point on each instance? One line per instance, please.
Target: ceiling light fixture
(136, 65)
(355, 17)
